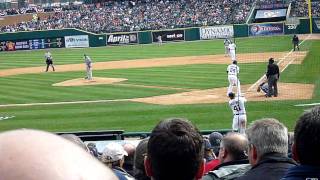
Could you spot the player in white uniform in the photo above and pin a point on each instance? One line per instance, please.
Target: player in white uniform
(233, 71)
(88, 63)
(239, 113)
(226, 47)
(159, 40)
(232, 50)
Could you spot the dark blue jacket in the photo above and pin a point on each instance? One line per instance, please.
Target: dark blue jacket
(302, 172)
(272, 166)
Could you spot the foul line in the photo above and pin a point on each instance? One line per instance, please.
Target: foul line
(282, 59)
(312, 104)
(66, 102)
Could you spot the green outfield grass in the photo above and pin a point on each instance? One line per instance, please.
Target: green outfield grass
(129, 116)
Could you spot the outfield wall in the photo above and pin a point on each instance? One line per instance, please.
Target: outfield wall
(74, 38)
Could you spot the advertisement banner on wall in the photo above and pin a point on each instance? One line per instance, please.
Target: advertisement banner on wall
(37, 44)
(7, 46)
(76, 41)
(216, 32)
(118, 39)
(55, 42)
(22, 45)
(174, 35)
(266, 29)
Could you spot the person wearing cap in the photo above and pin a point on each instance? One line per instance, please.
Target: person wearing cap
(209, 156)
(113, 157)
(273, 75)
(234, 161)
(215, 140)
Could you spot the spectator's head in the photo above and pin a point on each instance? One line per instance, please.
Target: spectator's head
(175, 151)
(75, 139)
(38, 155)
(113, 155)
(93, 149)
(290, 143)
(128, 160)
(271, 61)
(306, 145)
(233, 147)
(266, 136)
(215, 140)
(208, 151)
(138, 168)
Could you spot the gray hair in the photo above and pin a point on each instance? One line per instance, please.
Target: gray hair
(268, 136)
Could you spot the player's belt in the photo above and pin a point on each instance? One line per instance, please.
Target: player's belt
(240, 114)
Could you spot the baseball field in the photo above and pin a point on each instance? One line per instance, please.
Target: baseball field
(136, 86)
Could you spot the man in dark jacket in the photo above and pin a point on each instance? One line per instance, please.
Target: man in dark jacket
(268, 149)
(234, 161)
(306, 147)
(295, 42)
(273, 74)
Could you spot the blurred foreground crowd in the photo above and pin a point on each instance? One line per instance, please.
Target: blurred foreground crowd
(175, 150)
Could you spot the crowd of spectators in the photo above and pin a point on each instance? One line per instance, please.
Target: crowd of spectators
(116, 16)
(175, 150)
(126, 16)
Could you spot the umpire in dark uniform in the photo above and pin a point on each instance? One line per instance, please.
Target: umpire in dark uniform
(295, 42)
(273, 74)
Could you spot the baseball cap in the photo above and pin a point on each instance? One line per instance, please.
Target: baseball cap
(215, 140)
(113, 152)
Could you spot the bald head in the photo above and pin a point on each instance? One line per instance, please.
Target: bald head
(235, 144)
(37, 155)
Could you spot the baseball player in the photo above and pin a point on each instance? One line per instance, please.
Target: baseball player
(295, 42)
(232, 50)
(226, 47)
(49, 60)
(88, 62)
(239, 112)
(233, 71)
(159, 40)
(264, 87)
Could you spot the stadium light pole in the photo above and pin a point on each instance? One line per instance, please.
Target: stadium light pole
(310, 16)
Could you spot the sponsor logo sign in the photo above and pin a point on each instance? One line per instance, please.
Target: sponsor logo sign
(76, 41)
(216, 32)
(174, 35)
(116, 39)
(266, 29)
(317, 22)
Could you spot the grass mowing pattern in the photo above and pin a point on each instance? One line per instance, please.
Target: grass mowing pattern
(17, 59)
(143, 117)
(22, 88)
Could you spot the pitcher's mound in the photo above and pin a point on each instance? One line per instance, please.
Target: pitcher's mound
(85, 82)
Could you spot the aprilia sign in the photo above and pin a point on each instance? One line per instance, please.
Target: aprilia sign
(116, 39)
